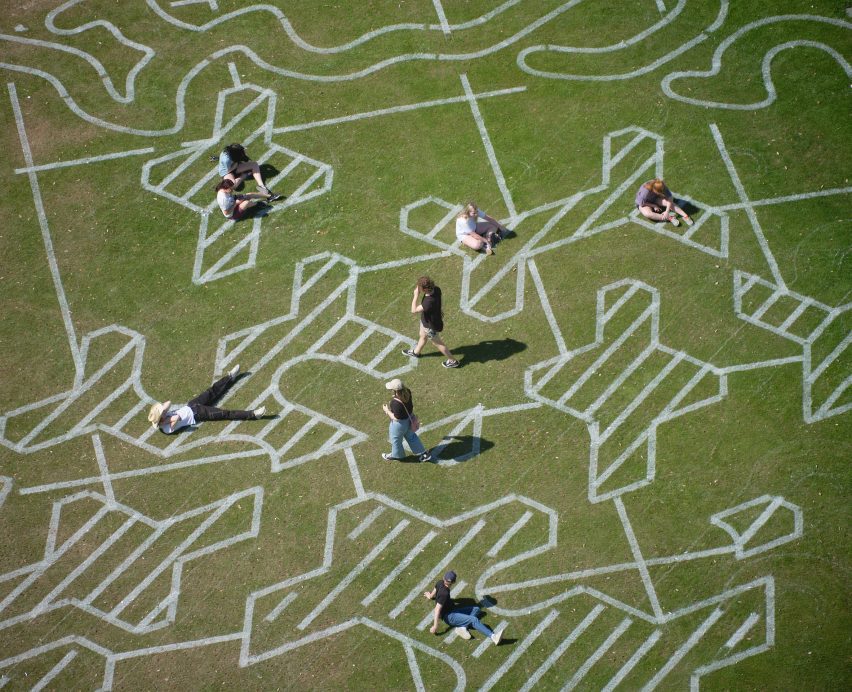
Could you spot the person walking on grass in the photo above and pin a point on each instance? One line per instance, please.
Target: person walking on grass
(403, 424)
(431, 320)
(235, 165)
(655, 201)
(458, 617)
(200, 409)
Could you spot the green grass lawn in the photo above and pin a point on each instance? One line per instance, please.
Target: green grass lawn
(641, 468)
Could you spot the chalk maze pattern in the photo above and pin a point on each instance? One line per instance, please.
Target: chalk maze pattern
(90, 532)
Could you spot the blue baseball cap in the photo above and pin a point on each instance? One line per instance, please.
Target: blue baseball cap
(450, 577)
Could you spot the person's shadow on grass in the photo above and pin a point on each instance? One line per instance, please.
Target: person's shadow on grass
(491, 349)
(459, 448)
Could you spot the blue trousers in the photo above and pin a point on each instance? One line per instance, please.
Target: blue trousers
(467, 616)
(399, 430)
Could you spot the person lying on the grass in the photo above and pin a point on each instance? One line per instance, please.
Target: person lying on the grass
(234, 207)
(235, 165)
(656, 202)
(200, 408)
(477, 230)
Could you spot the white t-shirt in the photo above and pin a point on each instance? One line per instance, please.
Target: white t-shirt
(227, 201)
(184, 414)
(467, 226)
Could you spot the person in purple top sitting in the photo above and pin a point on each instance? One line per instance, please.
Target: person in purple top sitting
(656, 202)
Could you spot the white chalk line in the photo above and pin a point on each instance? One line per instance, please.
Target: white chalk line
(52, 262)
(489, 147)
(716, 62)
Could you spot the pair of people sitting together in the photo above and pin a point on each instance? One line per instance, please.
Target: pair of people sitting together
(235, 167)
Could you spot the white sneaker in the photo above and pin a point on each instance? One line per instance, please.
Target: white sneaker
(233, 372)
(258, 412)
(462, 632)
(497, 636)
(673, 220)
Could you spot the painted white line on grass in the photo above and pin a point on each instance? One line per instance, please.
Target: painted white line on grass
(84, 161)
(396, 571)
(366, 522)
(282, 605)
(631, 662)
(506, 537)
(444, 562)
(414, 668)
(597, 655)
(683, 650)
(55, 274)
(353, 574)
(489, 147)
(55, 671)
(741, 193)
(556, 654)
(519, 651)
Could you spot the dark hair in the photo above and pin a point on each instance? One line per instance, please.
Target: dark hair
(404, 395)
(237, 153)
(224, 184)
(425, 283)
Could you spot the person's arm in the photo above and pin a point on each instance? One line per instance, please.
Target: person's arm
(389, 413)
(435, 619)
(415, 300)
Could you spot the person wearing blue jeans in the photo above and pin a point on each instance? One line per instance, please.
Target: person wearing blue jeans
(400, 410)
(458, 617)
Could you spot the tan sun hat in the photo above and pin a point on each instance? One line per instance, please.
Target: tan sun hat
(395, 385)
(156, 412)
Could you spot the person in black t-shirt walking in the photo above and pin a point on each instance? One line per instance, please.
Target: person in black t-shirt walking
(431, 320)
(458, 617)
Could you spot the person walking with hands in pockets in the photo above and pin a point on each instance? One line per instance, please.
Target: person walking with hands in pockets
(431, 320)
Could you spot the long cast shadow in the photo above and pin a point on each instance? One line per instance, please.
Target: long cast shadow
(492, 349)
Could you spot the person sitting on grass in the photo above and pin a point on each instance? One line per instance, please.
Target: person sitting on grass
(235, 165)
(656, 202)
(200, 409)
(234, 207)
(478, 234)
(458, 617)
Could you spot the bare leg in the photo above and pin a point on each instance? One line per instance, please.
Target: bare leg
(476, 242)
(439, 344)
(421, 342)
(650, 213)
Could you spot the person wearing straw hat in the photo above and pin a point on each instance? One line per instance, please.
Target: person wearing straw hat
(200, 409)
(400, 410)
(458, 617)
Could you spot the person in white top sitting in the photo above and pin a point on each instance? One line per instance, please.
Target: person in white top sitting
(234, 207)
(200, 409)
(477, 230)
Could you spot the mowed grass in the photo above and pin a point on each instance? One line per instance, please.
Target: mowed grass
(125, 255)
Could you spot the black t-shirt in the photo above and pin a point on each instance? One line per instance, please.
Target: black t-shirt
(442, 596)
(431, 317)
(399, 410)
